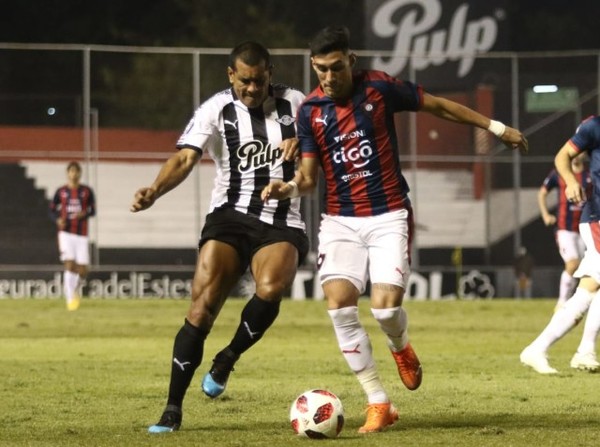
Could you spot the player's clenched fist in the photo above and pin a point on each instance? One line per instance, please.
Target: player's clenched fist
(144, 198)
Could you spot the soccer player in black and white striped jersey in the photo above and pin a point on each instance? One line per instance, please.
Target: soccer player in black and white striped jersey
(249, 131)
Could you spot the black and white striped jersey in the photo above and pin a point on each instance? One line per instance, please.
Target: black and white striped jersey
(244, 144)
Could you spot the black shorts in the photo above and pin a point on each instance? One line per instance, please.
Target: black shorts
(247, 234)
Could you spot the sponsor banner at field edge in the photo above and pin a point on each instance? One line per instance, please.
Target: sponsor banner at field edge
(102, 286)
(434, 285)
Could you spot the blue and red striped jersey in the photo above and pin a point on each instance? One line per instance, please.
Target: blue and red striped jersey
(357, 144)
(69, 202)
(587, 138)
(567, 214)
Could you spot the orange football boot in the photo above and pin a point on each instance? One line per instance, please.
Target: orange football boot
(409, 367)
(379, 416)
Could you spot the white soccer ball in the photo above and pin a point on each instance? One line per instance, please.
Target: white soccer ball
(317, 414)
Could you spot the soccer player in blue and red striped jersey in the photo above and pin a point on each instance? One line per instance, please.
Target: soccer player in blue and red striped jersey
(346, 125)
(72, 206)
(566, 224)
(587, 296)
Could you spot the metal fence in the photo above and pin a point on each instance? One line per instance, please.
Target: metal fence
(93, 89)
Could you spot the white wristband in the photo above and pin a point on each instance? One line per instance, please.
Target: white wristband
(497, 128)
(294, 192)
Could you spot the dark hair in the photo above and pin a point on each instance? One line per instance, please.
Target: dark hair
(74, 164)
(332, 38)
(250, 53)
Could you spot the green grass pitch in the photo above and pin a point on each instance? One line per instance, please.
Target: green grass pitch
(99, 377)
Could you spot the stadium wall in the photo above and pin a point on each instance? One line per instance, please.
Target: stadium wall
(174, 282)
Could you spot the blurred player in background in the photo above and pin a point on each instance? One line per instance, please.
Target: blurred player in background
(346, 125)
(249, 131)
(72, 206)
(523, 267)
(586, 297)
(566, 224)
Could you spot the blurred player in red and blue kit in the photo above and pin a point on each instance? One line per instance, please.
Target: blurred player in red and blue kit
(72, 206)
(566, 222)
(587, 296)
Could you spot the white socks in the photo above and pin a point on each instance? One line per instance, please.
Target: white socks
(394, 323)
(356, 348)
(591, 327)
(567, 287)
(352, 338)
(564, 319)
(70, 283)
(369, 379)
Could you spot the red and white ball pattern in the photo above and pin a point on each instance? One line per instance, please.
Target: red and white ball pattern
(317, 414)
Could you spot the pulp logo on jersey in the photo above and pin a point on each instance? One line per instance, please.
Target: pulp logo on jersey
(256, 154)
(358, 156)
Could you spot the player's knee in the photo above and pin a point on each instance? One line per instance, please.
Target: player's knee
(70, 266)
(571, 266)
(271, 286)
(385, 296)
(202, 313)
(384, 316)
(271, 290)
(341, 292)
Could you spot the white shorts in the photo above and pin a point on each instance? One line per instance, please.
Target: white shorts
(590, 264)
(73, 247)
(363, 248)
(570, 245)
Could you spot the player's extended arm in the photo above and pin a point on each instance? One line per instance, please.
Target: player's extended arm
(173, 172)
(453, 111)
(303, 184)
(562, 161)
(290, 149)
(547, 217)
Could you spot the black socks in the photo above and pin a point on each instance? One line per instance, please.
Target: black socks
(258, 315)
(187, 355)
